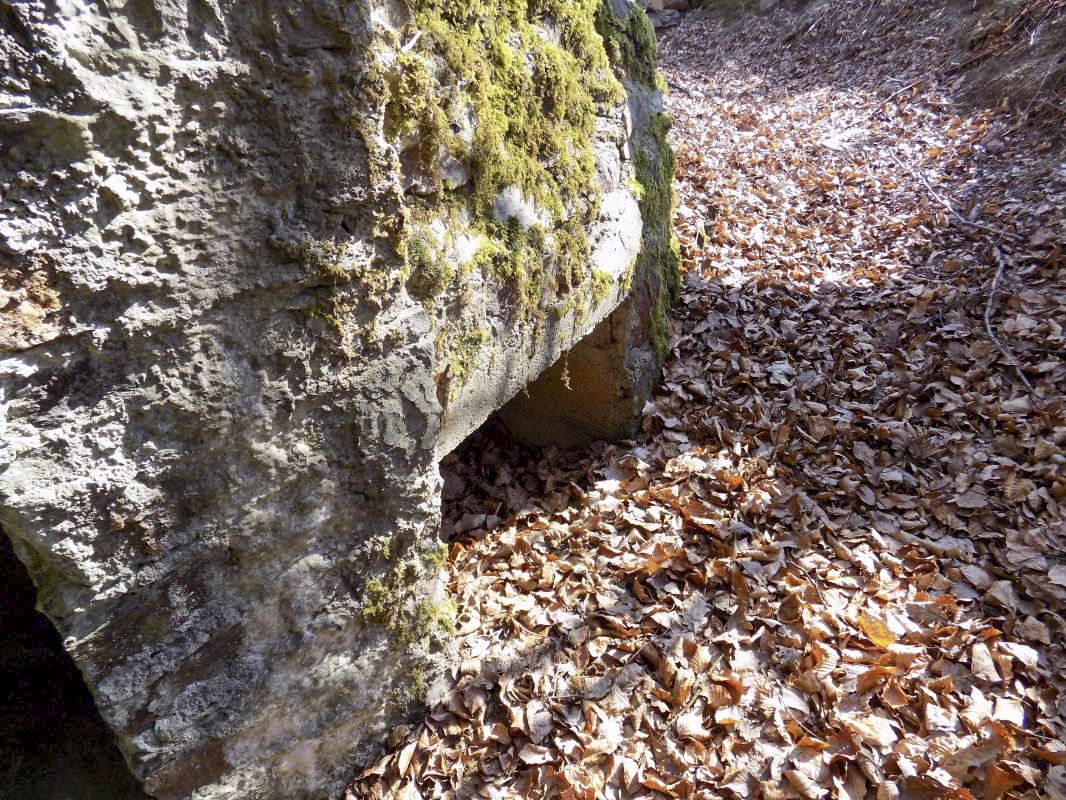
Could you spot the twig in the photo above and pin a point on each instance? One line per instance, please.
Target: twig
(951, 209)
(686, 90)
(812, 581)
(1049, 104)
(877, 110)
(679, 87)
(1002, 265)
(988, 319)
(971, 60)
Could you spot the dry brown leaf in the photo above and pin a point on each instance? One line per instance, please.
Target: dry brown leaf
(534, 754)
(982, 665)
(999, 781)
(690, 726)
(874, 677)
(804, 786)
(872, 728)
(876, 631)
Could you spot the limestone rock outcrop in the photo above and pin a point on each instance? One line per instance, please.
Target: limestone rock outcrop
(261, 265)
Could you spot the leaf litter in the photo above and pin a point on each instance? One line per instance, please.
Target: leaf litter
(834, 563)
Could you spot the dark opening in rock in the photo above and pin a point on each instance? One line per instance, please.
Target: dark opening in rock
(53, 744)
(488, 479)
(594, 391)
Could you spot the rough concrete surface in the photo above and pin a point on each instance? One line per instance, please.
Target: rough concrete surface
(228, 368)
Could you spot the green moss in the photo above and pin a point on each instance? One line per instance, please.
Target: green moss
(331, 263)
(381, 548)
(655, 170)
(418, 633)
(464, 355)
(573, 246)
(383, 598)
(602, 284)
(511, 89)
(411, 115)
(417, 677)
(410, 84)
(385, 601)
(377, 598)
(430, 275)
(660, 257)
(516, 258)
(321, 256)
(431, 621)
(658, 325)
(460, 348)
(436, 559)
(535, 238)
(533, 100)
(630, 43)
(525, 80)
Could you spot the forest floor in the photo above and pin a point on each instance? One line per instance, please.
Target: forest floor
(834, 564)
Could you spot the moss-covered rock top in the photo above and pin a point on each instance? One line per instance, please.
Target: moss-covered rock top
(496, 109)
(525, 78)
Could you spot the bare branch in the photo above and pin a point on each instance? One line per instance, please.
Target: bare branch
(988, 318)
(951, 209)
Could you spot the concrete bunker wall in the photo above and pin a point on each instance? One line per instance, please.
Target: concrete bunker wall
(264, 264)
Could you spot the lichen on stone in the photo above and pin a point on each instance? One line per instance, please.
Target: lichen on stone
(430, 274)
(460, 347)
(655, 171)
(436, 558)
(413, 624)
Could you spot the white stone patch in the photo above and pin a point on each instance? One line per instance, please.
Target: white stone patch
(621, 227)
(512, 204)
(458, 244)
(466, 247)
(439, 229)
(454, 173)
(20, 235)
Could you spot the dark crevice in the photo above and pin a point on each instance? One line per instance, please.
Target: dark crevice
(53, 743)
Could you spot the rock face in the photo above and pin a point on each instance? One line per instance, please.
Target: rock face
(262, 264)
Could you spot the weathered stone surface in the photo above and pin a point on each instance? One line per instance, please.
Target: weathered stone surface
(262, 264)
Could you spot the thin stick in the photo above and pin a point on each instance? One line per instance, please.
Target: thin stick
(867, 117)
(679, 87)
(686, 90)
(988, 319)
(951, 210)
(810, 580)
(1061, 109)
